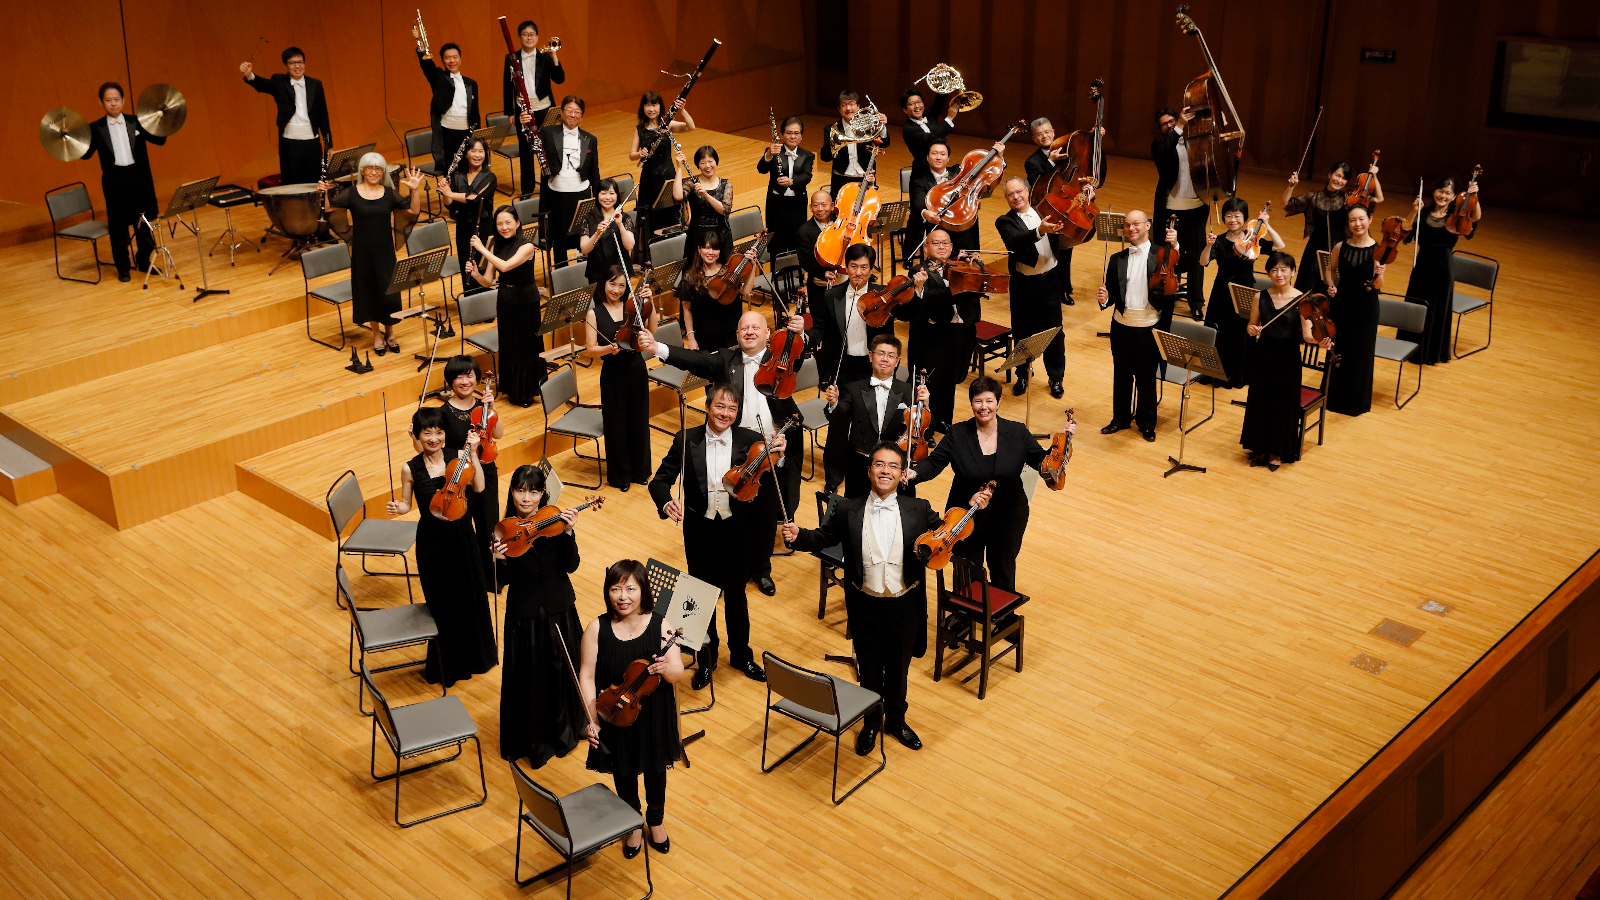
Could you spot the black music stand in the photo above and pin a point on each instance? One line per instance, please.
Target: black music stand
(664, 200)
(1244, 299)
(492, 136)
(1107, 228)
(414, 272)
(566, 311)
(552, 116)
(343, 162)
(188, 199)
(1023, 354)
(1195, 357)
(891, 218)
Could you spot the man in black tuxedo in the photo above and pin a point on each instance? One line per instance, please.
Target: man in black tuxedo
(924, 125)
(1040, 165)
(304, 134)
(805, 239)
(717, 543)
(850, 161)
(453, 109)
(936, 171)
(871, 411)
(1035, 281)
(537, 71)
(943, 329)
(574, 156)
(736, 366)
(1175, 196)
(125, 178)
(787, 166)
(1134, 356)
(885, 592)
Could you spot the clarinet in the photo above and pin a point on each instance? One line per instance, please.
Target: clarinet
(456, 160)
(677, 104)
(322, 207)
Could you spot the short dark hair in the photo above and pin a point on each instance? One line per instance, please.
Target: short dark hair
(793, 120)
(508, 208)
(1236, 204)
(526, 24)
(849, 97)
(530, 477)
(720, 388)
(1341, 167)
(621, 571)
(983, 384)
(906, 97)
(459, 366)
(606, 184)
(646, 99)
(291, 52)
(705, 151)
(1280, 258)
(448, 47)
(884, 338)
(890, 446)
(574, 98)
(427, 417)
(612, 271)
(939, 142)
(861, 251)
(110, 86)
(1165, 111)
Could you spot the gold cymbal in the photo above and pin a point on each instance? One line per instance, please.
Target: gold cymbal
(64, 133)
(161, 110)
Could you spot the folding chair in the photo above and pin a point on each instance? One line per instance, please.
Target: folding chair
(830, 560)
(745, 223)
(378, 630)
(64, 203)
(417, 729)
(419, 142)
(432, 236)
(509, 150)
(1481, 272)
(582, 422)
(813, 412)
(475, 309)
(372, 537)
(827, 703)
(317, 263)
(576, 825)
(1406, 316)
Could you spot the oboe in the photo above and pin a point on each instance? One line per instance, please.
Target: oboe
(456, 160)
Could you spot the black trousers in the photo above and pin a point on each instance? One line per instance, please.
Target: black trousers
(995, 542)
(1064, 266)
(1036, 306)
(785, 215)
(561, 205)
(299, 162)
(1134, 358)
(130, 192)
(445, 142)
(718, 552)
(655, 794)
(883, 633)
(1191, 240)
(837, 451)
(764, 531)
(527, 162)
(944, 350)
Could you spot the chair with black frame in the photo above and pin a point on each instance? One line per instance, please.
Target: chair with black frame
(1476, 271)
(784, 279)
(813, 412)
(418, 729)
(1404, 316)
(419, 143)
(993, 341)
(581, 423)
(380, 630)
(1315, 399)
(975, 615)
(673, 378)
(318, 263)
(576, 825)
(511, 152)
(830, 560)
(829, 704)
(432, 236)
(475, 309)
(372, 537)
(67, 202)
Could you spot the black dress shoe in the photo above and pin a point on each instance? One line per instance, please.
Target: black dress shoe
(380, 349)
(626, 486)
(1113, 428)
(124, 277)
(1068, 301)
(1020, 388)
(764, 585)
(906, 736)
(630, 852)
(1056, 390)
(866, 740)
(752, 670)
(1149, 434)
(663, 847)
(702, 677)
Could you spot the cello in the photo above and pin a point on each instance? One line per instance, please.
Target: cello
(1054, 468)
(956, 201)
(913, 442)
(1066, 196)
(519, 532)
(619, 704)
(1461, 222)
(744, 480)
(484, 421)
(852, 227)
(780, 367)
(936, 547)
(1215, 136)
(1164, 280)
(726, 284)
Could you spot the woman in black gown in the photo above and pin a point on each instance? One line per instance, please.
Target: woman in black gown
(624, 389)
(1233, 268)
(462, 377)
(633, 628)
(710, 202)
(1272, 417)
(709, 325)
(470, 195)
(604, 228)
(1354, 282)
(449, 566)
(372, 201)
(1431, 282)
(655, 166)
(508, 262)
(541, 712)
(1325, 211)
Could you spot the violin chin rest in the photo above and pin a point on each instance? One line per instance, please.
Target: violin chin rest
(924, 552)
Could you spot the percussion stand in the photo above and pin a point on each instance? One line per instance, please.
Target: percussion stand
(160, 256)
(189, 198)
(1194, 357)
(1027, 350)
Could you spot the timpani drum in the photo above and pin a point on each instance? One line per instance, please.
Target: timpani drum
(292, 208)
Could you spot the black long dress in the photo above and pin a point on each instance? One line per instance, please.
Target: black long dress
(371, 254)
(656, 172)
(483, 506)
(449, 568)
(651, 743)
(473, 217)
(1233, 342)
(704, 219)
(541, 713)
(522, 369)
(624, 405)
(1325, 213)
(1431, 283)
(1355, 311)
(715, 325)
(1272, 416)
(605, 250)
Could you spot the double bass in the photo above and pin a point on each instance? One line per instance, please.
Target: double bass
(956, 201)
(850, 227)
(1066, 196)
(1215, 136)
(970, 275)
(1054, 468)
(937, 546)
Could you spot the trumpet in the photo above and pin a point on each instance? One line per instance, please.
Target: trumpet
(862, 127)
(943, 79)
(422, 37)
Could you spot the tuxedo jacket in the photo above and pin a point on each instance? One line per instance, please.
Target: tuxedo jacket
(969, 239)
(959, 450)
(938, 306)
(857, 411)
(100, 142)
(1164, 152)
(862, 151)
(918, 141)
(1022, 242)
(1117, 281)
(727, 365)
(828, 323)
(805, 240)
(444, 93)
(663, 484)
(845, 529)
(804, 162)
(281, 89)
(588, 146)
(545, 73)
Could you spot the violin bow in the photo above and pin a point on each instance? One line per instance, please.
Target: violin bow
(1293, 304)
(1309, 139)
(387, 447)
(572, 671)
(773, 471)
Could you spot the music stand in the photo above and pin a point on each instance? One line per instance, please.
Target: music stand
(1023, 354)
(580, 215)
(492, 136)
(1244, 299)
(189, 198)
(891, 217)
(414, 272)
(1108, 227)
(1323, 256)
(343, 162)
(664, 200)
(691, 605)
(565, 311)
(552, 116)
(1195, 357)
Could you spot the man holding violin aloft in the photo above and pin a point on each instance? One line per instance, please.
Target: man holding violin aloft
(1175, 196)
(1140, 310)
(943, 327)
(871, 411)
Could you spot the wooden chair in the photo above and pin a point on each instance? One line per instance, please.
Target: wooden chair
(1314, 399)
(977, 616)
(994, 341)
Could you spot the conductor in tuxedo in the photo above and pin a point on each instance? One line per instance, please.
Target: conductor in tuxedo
(574, 156)
(885, 592)
(125, 178)
(870, 412)
(787, 166)
(1139, 311)
(303, 130)
(1175, 196)
(453, 111)
(537, 70)
(1035, 281)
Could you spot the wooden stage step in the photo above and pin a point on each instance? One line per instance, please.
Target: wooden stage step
(23, 476)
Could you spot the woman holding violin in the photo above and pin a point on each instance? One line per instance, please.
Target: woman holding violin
(1354, 281)
(605, 227)
(1431, 282)
(469, 194)
(1272, 417)
(507, 263)
(624, 388)
(710, 202)
(656, 168)
(633, 629)
(707, 323)
(1234, 253)
(541, 713)
(1326, 212)
(449, 564)
(462, 375)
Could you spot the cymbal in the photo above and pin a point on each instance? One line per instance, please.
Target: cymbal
(64, 133)
(161, 110)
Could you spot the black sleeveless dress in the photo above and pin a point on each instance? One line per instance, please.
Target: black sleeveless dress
(651, 743)
(715, 325)
(522, 369)
(1355, 311)
(541, 714)
(657, 172)
(1272, 415)
(483, 506)
(452, 586)
(624, 406)
(1233, 342)
(1431, 283)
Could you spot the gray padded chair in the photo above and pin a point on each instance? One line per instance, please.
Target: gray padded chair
(432, 236)
(372, 537)
(624, 182)
(905, 181)
(745, 223)
(417, 729)
(826, 703)
(669, 376)
(581, 423)
(1195, 333)
(419, 143)
(1476, 271)
(475, 309)
(317, 263)
(568, 278)
(509, 150)
(668, 249)
(575, 826)
(813, 412)
(378, 630)
(1405, 315)
(64, 203)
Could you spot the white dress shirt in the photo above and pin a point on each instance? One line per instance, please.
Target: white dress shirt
(755, 402)
(719, 459)
(1047, 259)
(455, 118)
(855, 330)
(568, 179)
(298, 128)
(530, 61)
(882, 548)
(1136, 310)
(121, 147)
(1182, 195)
(880, 391)
(853, 170)
(788, 161)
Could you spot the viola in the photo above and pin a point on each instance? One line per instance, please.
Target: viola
(780, 366)
(450, 500)
(877, 307)
(913, 442)
(1066, 196)
(1460, 222)
(1248, 245)
(726, 284)
(636, 314)
(853, 225)
(619, 704)
(1164, 280)
(1215, 136)
(956, 201)
(1395, 233)
(1314, 309)
(1054, 468)
(936, 547)
(1366, 186)
(519, 532)
(969, 275)
(744, 480)
(484, 421)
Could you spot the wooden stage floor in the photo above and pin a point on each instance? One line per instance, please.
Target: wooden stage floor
(178, 720)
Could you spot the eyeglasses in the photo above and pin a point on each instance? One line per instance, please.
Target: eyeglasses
(885, 464)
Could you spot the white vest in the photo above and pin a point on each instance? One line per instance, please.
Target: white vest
(881, 567)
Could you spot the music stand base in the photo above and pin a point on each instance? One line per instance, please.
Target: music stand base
(1181, 467)
(206, 292)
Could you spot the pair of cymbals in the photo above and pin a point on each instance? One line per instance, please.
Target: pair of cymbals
(64, 132)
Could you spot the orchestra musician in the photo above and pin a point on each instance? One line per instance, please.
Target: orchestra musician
(943, 329)
(1272, 417)
(462, 376)
(839, 337)
(871, 411)
(470, 194)
(981, 449)
(818, 278)
(624, 388)
(1354, 281)
(787, 166)
(710, 200)
(130, 190)
(574, 156)
(453, 111)
(372, 201)
(657, 168)
(1175, 196)
(707, 324)
(1035, 281)
(1326, 212)
(936, 171)
(1040, 164)
(604, 228)
(538, 69)
(1232, 268)
(1431, 281)
(924, 125)
(885, 590)
(1139, 311)
(303, 130)
(508, 263)
(720, 546)
(850, 160)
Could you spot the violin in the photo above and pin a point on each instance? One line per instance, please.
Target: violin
(1460, 222)
(779, 371)
(913, 442)
(936, 547)
(1165, 278)
(1066, 196)
(636, 314)
(969, 275)
(484, 421)
(877, 307)
(1366, 186)
(1395, 233)
(619, 704)
(1248, 245)
(956, 201)
(852, 226)
(726, 284)
(1314, 309)
(744, 480)
(1215, 136)
(519, 532)
(450, 501)
(1054, 468)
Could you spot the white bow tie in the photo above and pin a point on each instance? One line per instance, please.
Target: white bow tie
(884, 383)
(889, 504)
